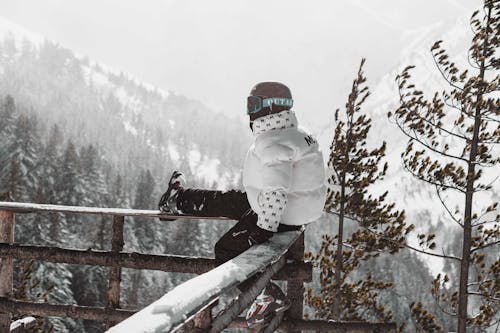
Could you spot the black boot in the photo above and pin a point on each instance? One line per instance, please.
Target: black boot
(168, 201)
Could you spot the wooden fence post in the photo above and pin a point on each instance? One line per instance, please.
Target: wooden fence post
(6, 265)
(203, 320)
(295, 288)
(116, 271)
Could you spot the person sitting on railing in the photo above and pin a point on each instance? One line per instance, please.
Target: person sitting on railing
(284, 180)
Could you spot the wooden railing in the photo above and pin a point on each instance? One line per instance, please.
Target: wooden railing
(279, 259)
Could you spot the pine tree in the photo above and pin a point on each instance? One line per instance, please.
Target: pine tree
(7, 111)
(93, 183)
(69, 185)
(22, 157)
(354, 169)
(7, 119)
(453, 138)
(49, 166)
(144, 230)
(93, 232)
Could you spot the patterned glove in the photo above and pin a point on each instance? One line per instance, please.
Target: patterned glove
(272, 204)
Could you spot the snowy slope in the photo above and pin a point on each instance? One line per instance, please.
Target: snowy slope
(117, 111)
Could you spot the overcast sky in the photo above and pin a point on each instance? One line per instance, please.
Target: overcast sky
(216, 50)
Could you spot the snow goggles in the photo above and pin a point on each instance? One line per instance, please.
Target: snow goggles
(257, 103)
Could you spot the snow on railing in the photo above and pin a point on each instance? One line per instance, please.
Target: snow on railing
(22, 207)
(178, 306)
(188, 305)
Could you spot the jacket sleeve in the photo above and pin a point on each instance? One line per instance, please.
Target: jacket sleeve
(277, 164)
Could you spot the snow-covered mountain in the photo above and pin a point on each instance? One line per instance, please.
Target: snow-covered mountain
(131, 121)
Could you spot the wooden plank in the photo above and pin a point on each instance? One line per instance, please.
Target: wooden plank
(274, 324)
(115, 272)
(245, 299)
(21, 207)
(295, 292)
(179, 305)
(326, 326)
(6, 266)
(203, 320)
(63, 310)
(295, 288)
(166, 263)
(299, 270)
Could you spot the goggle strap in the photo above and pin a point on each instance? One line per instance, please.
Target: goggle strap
(266, 102)
(257, 103)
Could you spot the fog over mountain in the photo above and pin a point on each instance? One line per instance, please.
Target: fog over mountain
(215, 51)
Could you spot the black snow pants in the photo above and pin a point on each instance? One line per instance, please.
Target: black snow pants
(232, 204)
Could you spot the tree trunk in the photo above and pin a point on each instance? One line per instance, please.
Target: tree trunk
(466, 244)
(339, 256)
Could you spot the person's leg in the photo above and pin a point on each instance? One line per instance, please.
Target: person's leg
(234, 242)
(180, 200)
(231, 204)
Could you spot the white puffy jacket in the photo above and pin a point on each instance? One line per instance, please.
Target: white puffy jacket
(284, 163)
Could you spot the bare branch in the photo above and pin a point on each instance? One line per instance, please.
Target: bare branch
(432, 254)
(475, 225)
(477, 283)
(426, 145)
(473, 65)
(449, 313)
(453, 106)
(432, 182)
(444, 129)
(446, 207)
(491, 119)
(443, 75)
(414, 248)
(484, 246)
(473, 293)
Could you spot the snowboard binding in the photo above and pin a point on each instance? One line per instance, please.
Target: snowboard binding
(269, 304)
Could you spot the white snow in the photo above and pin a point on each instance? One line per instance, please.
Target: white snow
(129, 128)
(172, 150)
(27, 207)
(194, 157)
(22, 324)
(106, 70)
(207, 170)
(186, 299)
(18, 32)
(132, 102)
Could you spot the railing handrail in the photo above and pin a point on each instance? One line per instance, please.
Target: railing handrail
(168, 314)
(199, 311)
(28, 207)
